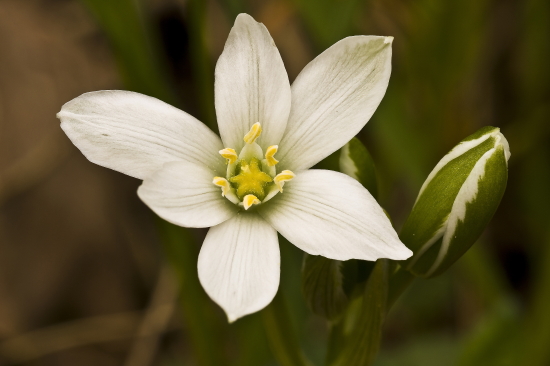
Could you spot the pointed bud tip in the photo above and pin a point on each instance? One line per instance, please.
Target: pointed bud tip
(502, 141)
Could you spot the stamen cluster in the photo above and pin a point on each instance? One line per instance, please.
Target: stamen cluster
(251, 176)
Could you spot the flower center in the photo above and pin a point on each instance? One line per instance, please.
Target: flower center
(251, 177)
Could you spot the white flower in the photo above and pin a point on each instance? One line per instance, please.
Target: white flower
(271, 133)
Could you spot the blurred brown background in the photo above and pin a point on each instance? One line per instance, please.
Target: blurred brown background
(82, 275)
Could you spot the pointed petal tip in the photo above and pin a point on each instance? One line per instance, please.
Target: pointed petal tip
(248, 281)
(251, 85)
(135, 134)
(404, 253)
(399, 254)
(231, 318)
(333, 98)
(358, 230)
(245, 18)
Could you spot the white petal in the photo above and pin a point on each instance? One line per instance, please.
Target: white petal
(331, 214)
(239, 264)
(251, 85)
(135, 134)
(183, 194)
(333, 98)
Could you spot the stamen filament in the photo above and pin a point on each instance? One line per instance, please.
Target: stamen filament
(283, 177)
(229, 154)
(271, 161)
(253, 134)
(250, 200)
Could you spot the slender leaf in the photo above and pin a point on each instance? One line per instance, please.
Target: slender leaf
(281, 335)
(322, 286)
(356, 340)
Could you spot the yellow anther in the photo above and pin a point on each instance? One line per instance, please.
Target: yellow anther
(229, 154)
(271, 161)
(223, 183)
(250, 200)
(253, 134)
(283, 177)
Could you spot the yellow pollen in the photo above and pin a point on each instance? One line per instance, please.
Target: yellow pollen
(271, 161)
(283, 177)
(250, 200)
(253, 134)
(223, 183)
(229, 154)
(250, 180)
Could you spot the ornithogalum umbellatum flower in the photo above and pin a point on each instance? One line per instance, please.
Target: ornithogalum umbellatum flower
(253, 181)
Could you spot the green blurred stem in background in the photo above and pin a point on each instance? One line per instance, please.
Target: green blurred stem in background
(203, 71)
(182, 252)
(399, 281)
(355, 340)
(280, 334)
(134, 45)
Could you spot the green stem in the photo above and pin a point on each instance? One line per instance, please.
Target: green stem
(201, 63)
(400, 280)
(537, 323)
(356, 339)
(200, 321)
(479, 267)
(280, 334)
(134, 45)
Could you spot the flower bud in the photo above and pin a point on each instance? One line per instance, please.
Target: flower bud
(356, 162)
(456, 202)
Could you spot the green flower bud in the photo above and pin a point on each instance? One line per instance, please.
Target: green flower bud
(356, 162)
(456, 202)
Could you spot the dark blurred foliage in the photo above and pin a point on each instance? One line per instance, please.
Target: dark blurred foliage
(83, 277)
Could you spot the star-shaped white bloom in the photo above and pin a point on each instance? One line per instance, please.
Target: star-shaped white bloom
(271, 133)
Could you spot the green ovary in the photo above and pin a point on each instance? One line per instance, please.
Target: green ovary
(250, 179)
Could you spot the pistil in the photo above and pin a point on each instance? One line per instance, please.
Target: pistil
(250, 179)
